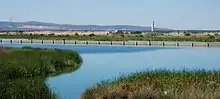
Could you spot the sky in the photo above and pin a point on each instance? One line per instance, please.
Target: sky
(174, 14)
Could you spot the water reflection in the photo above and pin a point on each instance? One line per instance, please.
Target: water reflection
(94, 48)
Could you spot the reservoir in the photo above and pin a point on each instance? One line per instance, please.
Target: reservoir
(104, 62)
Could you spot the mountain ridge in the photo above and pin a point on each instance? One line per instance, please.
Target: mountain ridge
(36, 25)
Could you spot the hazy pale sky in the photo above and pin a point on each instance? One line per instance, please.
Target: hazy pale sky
(175, 14)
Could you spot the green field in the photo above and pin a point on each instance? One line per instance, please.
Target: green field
(24, 71)
(159, 84)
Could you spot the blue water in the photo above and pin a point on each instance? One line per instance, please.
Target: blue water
(106, 62)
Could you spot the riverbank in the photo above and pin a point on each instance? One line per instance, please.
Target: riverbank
(118, 37)
(24, 71)
(159, 84)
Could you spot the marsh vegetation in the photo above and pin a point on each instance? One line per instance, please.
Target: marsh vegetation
(119, 37)
(159, 84)
(24, 71)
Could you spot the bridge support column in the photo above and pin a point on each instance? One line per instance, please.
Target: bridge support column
(177, 44)
(136, 43)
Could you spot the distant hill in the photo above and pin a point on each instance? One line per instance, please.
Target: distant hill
(34, 25)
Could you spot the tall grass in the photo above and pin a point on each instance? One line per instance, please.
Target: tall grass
(159, 84)
(28, 62)
(24, 71)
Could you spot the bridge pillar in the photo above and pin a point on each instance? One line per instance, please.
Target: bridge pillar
(177, 44)
(149, 43)
(64, 41)
(123, 43)
(136, 43)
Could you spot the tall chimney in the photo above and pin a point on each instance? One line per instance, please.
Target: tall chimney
(152, 27)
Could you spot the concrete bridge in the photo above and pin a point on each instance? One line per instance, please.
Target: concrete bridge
(134, 43)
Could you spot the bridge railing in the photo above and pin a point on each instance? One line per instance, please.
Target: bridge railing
(135, 43)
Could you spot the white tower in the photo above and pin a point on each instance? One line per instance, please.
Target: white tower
(152, 27)
(11, 24)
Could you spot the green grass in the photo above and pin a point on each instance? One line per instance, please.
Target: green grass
(215, 38)
(159, 84)
(24, 71)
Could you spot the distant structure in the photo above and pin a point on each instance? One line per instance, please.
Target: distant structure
(153, 27)
(11, 24)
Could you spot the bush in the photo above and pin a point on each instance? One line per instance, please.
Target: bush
(41, 34)
(187, 34)
(76, 34)
(52, 34)
(136, 32)
(90, 35)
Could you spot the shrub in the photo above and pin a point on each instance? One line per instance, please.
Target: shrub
(41, 34)
(90, 35)
(76, 34)
(187, 34)
(52, 34)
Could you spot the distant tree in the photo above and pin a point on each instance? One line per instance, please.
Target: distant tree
(139, 35)
(184, 32)
(136, 32)
(187, 34)
(210, 36)
(67, 35)
(41, 34)
(216, 34)
(76, 34)
(122, 35)
(119, 32)
(30, 34)
(52, 34)
(20, 32)
(90, 35)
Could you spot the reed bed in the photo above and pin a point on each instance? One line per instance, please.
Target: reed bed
(159, 84)
(29, 62)
(24, 71)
